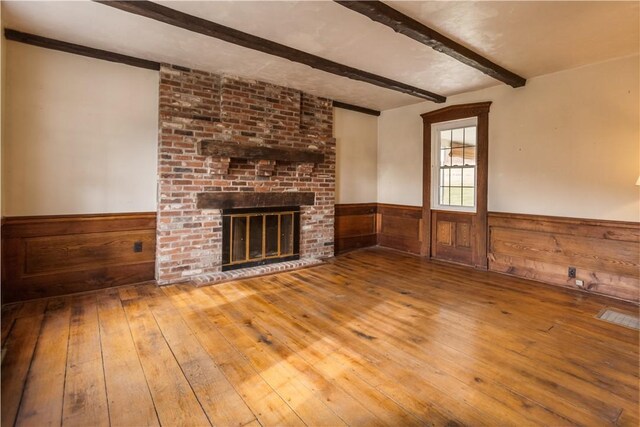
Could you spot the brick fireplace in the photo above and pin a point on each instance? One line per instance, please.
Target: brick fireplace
(224, 142)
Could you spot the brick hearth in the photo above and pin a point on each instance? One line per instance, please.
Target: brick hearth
(196, 106)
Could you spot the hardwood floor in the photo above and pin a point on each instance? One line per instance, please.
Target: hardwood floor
(374, 337)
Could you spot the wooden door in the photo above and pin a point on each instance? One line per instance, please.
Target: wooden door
(456, 233)
(452, 236)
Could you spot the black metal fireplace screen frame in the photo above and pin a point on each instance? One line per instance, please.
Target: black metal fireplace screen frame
(241, 250)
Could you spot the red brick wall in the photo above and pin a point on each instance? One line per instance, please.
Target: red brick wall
(196, 105)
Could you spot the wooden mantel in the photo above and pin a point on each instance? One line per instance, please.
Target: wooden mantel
(251, 199)
(252, 152)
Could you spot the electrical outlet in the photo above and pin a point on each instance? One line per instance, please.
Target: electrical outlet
(137, 246)
(580, 283)
(572, 272)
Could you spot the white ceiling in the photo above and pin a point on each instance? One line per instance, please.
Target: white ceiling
(528, 38)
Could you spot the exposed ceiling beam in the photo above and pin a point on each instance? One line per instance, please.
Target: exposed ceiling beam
(202, 26)
(106, 55)
(403, 24)
(77, 49)
(351, 107)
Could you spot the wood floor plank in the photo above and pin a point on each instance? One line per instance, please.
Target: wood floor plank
(222, 404)
(403, 369)
(44, 390)
(588, 402)
(130, 402)
(279, 375)
(174, 400)
(424, 365)
(442, 388)
(529, 307)
(325, 360)
(403, 345)
(8, 318)
(269, 407)
(320, 332)
(607, 412)
(554, 375)
(20, 346)
(374, 337)
(348, 409)
(513, 326)
(85, 394)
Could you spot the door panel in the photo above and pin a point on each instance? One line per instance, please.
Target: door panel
(443, 232)
(452, 239)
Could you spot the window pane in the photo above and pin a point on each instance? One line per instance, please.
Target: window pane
(445, 157)
(469, 177)
(456, 177)
(470, 135)
(470, 155)
(468, 196)
(444, 195)
(455, 196)
(456, 155)
(457, 137)
(444, 177)
(457, 167)
(445, 139)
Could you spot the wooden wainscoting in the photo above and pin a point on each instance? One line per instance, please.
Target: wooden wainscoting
(400, 227)
(606, 254)
(55, 255)
(361, 225)
(355, 226)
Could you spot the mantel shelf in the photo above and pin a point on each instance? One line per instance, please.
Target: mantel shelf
(251, 199)
(251, 152)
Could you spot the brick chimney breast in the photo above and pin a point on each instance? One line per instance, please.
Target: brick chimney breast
(196, 106)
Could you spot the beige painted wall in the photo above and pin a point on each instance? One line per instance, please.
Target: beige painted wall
(356, 156)
(80, 134)
(566, 144)
(3, 62)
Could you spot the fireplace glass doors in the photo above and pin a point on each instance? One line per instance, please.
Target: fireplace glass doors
(252, 237)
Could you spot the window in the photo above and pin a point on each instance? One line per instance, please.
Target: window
(454, 165)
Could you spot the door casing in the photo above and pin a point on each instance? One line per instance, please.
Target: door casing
(480, 110)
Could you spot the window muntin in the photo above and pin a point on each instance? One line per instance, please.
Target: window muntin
(454, 165)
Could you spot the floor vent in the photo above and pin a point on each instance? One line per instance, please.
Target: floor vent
(622, 319)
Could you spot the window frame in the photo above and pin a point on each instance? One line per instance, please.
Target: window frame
(436, 128)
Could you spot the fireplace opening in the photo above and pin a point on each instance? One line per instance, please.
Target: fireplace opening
(259, 236)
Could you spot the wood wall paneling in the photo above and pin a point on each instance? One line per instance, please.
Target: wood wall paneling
(355, 226)
(56, 255)
(367, 224)
(606, 254)
(400, 227)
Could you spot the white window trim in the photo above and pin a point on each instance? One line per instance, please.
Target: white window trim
(436, 128)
